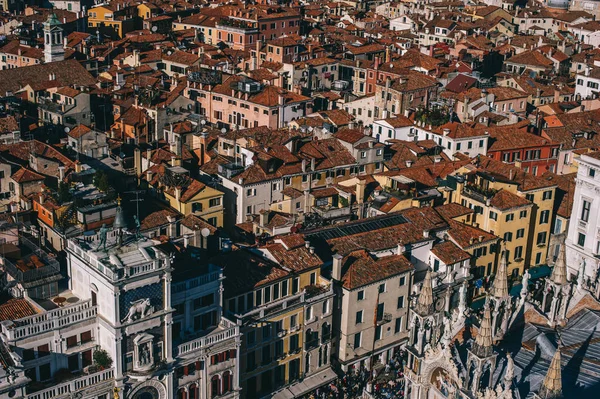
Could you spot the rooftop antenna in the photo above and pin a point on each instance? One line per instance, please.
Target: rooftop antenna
(137, 201)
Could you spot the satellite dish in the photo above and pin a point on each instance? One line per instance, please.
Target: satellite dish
(203, 122)
(67, 129)
(223, 130)
(205, 232)
(154, 28)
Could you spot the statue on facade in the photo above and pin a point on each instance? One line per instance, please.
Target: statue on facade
(141, 306)
(581, 275)
(138, 233)
(144, 355)
(525, 284)
(103, 233)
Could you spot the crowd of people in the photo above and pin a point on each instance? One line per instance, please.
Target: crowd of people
(384, 382)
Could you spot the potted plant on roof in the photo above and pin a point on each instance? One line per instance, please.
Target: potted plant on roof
(102, 359)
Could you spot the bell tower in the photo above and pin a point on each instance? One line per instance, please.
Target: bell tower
(53, 40)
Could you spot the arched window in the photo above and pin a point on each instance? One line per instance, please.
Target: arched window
(227, 382)
(215, 386)
(193, 392)
(181, 394)
(325, 332)
(307, 338)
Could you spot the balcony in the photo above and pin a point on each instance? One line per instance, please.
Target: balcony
(478, 193)
(329, 212)
(194, 283)
(69, 389)
(227, 330)
(384, 319)
(238, 26)
(49, 321)
(32, 264)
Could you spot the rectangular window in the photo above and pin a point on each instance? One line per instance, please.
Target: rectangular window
(585, 211)
(493, 215)
(214, 202)
(251, 361)
(541, 238)
(547, 195)
(377, 333)
(360, 295)
(258, 297)
(381, 288)
(518, 253)
(357, 340)
(293, 321)
(544, 217)
(510, 217)
(398, 325)
(522, 214)
(591, 172)
(400, 302)
(402, 281)
(580, 239)
(266, 331)
(520, 233)
(359, 317)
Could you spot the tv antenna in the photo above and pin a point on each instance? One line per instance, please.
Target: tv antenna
(137, 201)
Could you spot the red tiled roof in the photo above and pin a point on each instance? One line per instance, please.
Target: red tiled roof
(25, 175)
(16, 308)
(360, 269)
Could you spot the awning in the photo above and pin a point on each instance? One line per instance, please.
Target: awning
(402, 179)
(308, 384)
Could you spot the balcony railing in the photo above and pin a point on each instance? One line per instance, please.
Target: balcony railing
(51, 266)
(195, 282)
(49, 321)
(327, 212)
(69, 388)
(385, 318)
(478, 194)
(232, 330)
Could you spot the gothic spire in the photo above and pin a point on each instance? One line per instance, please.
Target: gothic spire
(425, 300)
(483, 342)
(559, 273)
(552, 385)
(500, 285)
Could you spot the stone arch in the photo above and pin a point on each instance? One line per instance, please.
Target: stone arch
(150, 389)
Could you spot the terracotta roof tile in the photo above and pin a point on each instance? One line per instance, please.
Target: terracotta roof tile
(360, 269)
(16, 308)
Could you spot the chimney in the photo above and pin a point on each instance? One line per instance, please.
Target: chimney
(61, 173)
(177, 193)
(408, 163)
(304, 166)
(307, 244)
(312, 164)
(186, 240)
(149, 175)
(264, 217)
(360, 191)
(336, 269)
(311, 250)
